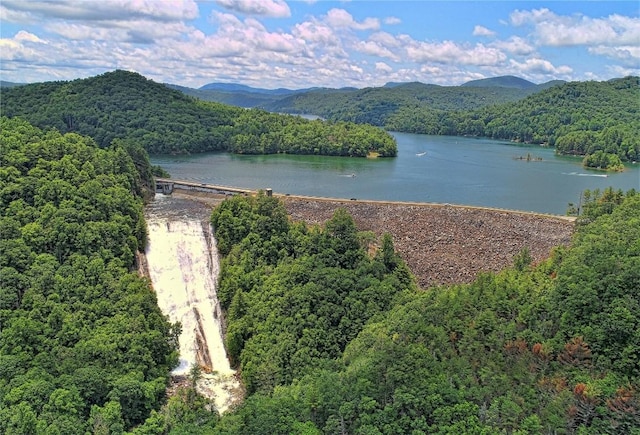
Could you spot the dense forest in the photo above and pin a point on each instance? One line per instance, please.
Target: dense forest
(125, 105)
(325, 324)
(377, 106)
(331, 335)
(84, 347)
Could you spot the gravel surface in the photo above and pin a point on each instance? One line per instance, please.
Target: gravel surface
(445, 244)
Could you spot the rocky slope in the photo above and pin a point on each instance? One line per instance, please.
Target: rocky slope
(447, 244)
(442, 244)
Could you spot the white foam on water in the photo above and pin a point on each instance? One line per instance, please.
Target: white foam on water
(183, 267)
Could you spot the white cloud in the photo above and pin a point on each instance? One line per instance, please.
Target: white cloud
(629, 54)
(519, 18)
(266, 8)
(515, 45)
(539, 66)
(453, 53)
(556, 30)
(256, 40)
(392, 21)
(340, 18)
(11, 49)
(383, 67)
(12, 16)
(620, 71)
(134, 31)
(140, 21)
(386, 39)
(26, 36)
(315, 32)
(482, 31)
(373, 48)
(103, 10)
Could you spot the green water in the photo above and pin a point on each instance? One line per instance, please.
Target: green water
(441, 169)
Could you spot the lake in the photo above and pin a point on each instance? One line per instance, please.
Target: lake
(443, 169)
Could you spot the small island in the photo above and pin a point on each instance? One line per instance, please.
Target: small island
(528, 158)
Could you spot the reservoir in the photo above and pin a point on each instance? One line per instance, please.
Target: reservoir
(442, 169)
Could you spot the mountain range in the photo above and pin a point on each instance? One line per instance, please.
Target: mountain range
(489, 91)
(578, 118)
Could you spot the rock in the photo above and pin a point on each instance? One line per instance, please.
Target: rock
(446, 245)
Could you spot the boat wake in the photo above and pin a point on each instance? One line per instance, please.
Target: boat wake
(582, 174)
(421, 154)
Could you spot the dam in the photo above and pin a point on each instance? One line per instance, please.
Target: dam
(441, 243)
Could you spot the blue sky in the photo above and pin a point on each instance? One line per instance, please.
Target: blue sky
(298, 44)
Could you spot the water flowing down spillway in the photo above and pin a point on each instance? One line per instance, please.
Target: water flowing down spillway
(182, 264)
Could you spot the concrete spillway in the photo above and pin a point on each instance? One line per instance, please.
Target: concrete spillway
(182, 264)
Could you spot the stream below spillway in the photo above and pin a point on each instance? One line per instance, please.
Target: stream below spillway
(182, 263)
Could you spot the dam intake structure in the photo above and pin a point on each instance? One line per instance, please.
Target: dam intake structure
(182, 263)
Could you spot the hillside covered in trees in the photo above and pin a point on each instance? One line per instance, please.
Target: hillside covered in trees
(325, 324)
(578, 118)
(125, 105)
(84, 347)
(377, 105)
(598, 120)
(331, 335)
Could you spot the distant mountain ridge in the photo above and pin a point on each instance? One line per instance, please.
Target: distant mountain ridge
(236, 87)
(507, 81)
(326, 101)
(501, 82)
(6, 84)
(378, 105)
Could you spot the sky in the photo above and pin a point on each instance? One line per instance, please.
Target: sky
(315, 43)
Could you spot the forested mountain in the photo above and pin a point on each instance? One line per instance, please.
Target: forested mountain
(325, 324)
(234, 87)
(233, 98)
(84, 347)
(122, 104)
(281, 100)
(376, 105)
(246, 96)
(5, 84)
(512, 82)
(502, 81)
(579, 118)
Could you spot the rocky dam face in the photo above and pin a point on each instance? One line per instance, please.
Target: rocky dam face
(447, 244)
